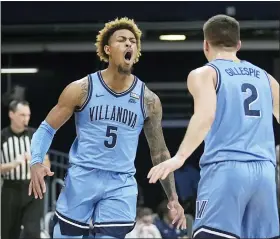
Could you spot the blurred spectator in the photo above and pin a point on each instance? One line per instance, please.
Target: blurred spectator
(144, 227)
(164, 223)
(17, 208)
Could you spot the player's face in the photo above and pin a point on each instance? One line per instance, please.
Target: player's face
(122, 50)
(20, 118)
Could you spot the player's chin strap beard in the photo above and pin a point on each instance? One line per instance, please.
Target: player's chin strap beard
(124, 71)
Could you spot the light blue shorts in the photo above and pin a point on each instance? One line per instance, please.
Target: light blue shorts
(108, 199)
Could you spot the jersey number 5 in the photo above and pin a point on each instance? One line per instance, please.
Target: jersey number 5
(111, 133)
(251, 99)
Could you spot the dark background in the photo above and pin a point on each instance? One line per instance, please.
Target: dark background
(57, 69)
(81, 12)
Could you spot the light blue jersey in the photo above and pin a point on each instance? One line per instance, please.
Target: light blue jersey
(100, 188)
(108, 127)
(237, 188)
(243, 126)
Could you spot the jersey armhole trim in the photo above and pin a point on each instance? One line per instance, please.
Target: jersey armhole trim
(142, 101)
(79, 109)
(269, 86)
(218, 83)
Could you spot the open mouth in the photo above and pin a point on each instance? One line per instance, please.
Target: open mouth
(128, 56)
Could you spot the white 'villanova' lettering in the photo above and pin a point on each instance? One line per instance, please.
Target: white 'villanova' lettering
(114, 113)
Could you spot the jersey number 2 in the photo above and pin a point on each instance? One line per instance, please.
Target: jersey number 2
(111, 133)
(251, 99)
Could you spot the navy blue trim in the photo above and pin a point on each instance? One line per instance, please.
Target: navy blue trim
(79, 109)
(269, 86)
(215, 230)
(113, 92)
(228, 60)
(143, 101)
(71, 220)
(110, 223)
(218, 83)
(113, 231)
(222, 60)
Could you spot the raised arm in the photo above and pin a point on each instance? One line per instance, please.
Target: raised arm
(72, 97)
(275, 95)
(160, 153)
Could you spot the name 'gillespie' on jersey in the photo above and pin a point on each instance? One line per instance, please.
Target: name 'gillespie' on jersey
(243, 126)
(108, 127)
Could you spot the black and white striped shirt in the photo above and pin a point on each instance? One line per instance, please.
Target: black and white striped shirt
(12, 145)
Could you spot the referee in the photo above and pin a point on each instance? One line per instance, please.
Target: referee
(17, 208)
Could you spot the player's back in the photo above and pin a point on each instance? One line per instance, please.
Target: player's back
(108, 127)
(243, 125)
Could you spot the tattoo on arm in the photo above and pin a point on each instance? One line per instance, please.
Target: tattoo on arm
(155, 138)
(84, 91)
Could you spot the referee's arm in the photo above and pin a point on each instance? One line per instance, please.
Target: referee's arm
(7, 167)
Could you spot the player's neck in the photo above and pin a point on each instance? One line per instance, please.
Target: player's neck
(225, 56)
(117, 81)
(15, 129)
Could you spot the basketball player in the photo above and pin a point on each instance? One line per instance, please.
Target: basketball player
(111, 107)
(234, 101)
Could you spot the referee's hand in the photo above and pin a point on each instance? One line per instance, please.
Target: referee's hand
(37, 182)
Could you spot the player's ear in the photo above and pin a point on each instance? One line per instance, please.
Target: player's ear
(205, 46)
(238, 45)
(107, 50)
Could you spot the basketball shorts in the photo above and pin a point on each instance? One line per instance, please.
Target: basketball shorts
(237, 200)
(98, 201)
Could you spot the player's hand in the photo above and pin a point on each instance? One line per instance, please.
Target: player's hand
(180, 219)
(162, 170)
(37, 183)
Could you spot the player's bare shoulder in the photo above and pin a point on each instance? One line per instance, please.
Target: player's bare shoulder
(76, 92)
(83, 90)
(152, 103)
(201, 74)
(204, 70)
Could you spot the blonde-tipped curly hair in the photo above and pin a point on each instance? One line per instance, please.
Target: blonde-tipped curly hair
(109, 29)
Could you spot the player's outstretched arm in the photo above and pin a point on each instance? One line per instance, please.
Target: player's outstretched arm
(275, 94)
(73, 96)
(201, 84)
(159, 151)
